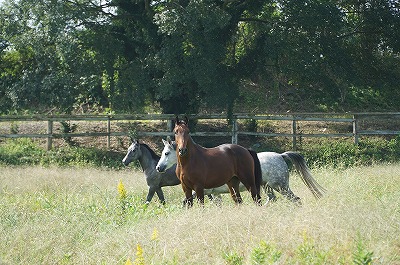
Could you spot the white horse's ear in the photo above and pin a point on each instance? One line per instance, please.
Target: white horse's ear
(164, 142)
(169, 139)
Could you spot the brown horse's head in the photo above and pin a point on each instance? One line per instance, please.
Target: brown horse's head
(181, 131)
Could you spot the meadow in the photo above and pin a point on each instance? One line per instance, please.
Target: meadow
(78, 215)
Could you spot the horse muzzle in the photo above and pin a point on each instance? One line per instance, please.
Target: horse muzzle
(160, 169)
(182, 151)
(125, 162)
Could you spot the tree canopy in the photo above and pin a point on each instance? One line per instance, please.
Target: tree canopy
(185, 56)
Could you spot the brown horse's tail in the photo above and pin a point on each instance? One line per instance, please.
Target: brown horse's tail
(305, 174)
(257, 170)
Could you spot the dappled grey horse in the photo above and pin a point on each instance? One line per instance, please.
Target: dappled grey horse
(275, 172)
(148, 160)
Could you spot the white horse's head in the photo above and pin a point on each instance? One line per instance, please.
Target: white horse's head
(168, 156)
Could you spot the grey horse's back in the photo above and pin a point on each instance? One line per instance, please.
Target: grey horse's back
(275, 171)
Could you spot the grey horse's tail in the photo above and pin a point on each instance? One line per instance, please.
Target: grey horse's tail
(305, 174)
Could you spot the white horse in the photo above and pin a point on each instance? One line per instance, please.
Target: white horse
(275, 172)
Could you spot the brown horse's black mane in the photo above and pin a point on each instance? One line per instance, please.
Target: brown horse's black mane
(153, 154)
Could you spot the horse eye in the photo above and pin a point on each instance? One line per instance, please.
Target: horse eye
(166, 153)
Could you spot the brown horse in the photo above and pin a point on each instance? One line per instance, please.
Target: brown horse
(200, 168)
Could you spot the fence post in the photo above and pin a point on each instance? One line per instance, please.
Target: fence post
(108, 132)
(355, 129)
(234, 131)
(49, 134)
(294, 133)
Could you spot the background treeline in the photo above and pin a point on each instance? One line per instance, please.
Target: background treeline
(187, 56)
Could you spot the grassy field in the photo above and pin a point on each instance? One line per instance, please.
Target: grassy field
(93, 216)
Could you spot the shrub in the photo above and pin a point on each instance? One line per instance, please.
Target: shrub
(347, 154)
(27, 152)
(325, 152)
(20, 152)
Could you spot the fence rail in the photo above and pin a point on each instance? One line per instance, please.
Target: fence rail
(353, 119)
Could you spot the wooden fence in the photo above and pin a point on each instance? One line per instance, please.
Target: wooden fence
(233, 131)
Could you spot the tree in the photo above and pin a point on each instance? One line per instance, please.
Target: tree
(45, 65)
(191, 55)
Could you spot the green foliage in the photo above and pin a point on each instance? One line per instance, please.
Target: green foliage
(250, 125)
(324, 153)
(265, 254)
(233, 258)
(347, 154)
(27, 152)
(361, 256)
(21, 152)
(68, 127)
(14, 128)
(307, 252)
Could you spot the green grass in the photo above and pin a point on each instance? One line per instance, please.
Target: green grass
(79, 215)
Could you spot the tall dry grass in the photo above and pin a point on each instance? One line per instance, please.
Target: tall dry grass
(76, 216)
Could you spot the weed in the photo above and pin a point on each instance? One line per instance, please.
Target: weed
(233, 258)
(265, 254)
(307, 252)
(361, 256)
(68, 127)
(14, 128)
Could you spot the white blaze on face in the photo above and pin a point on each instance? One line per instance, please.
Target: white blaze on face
(168, 157)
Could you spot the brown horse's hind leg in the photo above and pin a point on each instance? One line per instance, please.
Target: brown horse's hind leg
(255, 194)
(233, 185)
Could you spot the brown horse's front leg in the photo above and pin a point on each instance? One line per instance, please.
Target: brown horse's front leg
(200, 195)
(188, 201)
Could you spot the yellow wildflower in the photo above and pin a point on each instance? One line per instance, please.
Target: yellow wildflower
(139, 256)
(154, 235)
(128, 262)
(121, 190)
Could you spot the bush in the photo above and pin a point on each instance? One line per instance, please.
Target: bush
(347, 154)
(27, 152)
(20, 152)
(318, 154)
